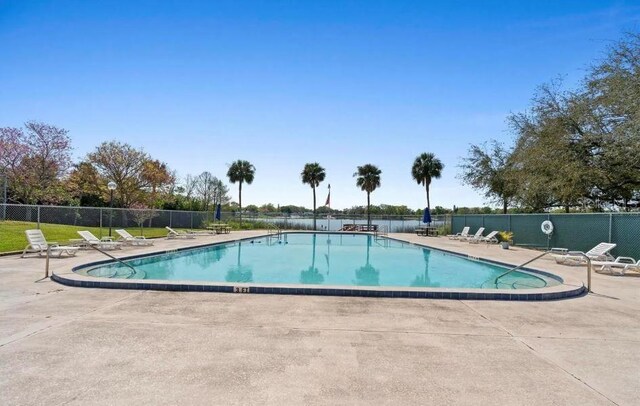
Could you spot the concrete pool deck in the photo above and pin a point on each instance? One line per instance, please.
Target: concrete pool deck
(65, 345)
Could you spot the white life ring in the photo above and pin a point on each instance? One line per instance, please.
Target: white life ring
(547, 227)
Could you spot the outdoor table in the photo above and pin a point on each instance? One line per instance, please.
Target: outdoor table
(363, 227)
(78, 242)
(220, 228)
(427, 231)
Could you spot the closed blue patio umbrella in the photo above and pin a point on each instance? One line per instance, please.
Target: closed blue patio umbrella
(218, 214)
(426, 217)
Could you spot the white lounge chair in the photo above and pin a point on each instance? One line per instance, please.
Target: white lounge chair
(489, 238)
(178, 234)
(106, 243)
(38, 244)
(598, 253)
(462, 234)
(127, 238)
(477, 235)
(622, 264)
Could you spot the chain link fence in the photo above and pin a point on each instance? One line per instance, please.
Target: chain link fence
(393, 223)
(105, 218)
(577, 232)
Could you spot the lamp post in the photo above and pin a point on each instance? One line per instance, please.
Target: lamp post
(111, 186)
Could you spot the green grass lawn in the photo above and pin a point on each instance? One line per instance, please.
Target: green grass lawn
(12, 237)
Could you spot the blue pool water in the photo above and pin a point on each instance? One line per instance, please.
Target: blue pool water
(324, 259)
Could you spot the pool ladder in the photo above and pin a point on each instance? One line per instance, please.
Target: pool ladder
(273, 233)
(381, 231)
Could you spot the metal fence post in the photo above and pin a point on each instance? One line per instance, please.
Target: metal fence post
(191, 220)
(38, 216)
(101, 222)
(4, 197)
(46, 266)
(610, 225)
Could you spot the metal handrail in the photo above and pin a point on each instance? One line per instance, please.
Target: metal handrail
(117, 259)
(381, 230)
(495, 282)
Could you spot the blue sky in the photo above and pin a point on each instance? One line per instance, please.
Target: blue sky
(199, 84)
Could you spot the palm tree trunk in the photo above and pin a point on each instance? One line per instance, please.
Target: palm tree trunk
(314, 208)
(368, 247)
(240, 201)
(504, 206)
(313, 257)
(428, 201)
(368, 210)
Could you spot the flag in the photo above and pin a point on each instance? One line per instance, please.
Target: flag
(218, 214)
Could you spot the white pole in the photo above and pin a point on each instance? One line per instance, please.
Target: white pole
(329, 205)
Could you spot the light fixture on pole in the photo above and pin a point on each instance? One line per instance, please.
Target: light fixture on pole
(111, 186)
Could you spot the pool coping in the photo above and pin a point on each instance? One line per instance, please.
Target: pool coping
(567, 288)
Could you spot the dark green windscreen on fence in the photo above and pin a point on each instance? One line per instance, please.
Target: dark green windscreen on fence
(577, 232)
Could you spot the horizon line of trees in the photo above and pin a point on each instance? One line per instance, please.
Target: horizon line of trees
(37, 160)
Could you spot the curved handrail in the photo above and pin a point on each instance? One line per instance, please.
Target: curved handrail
(117, 259)
(495, 281)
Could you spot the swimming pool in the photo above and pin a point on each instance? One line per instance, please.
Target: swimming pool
(323, 259)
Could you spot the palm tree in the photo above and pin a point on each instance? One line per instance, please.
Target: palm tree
(426, 167)
(367, 275)
(311, 275)
(241, 171)
(423, 279)
(368, 181)
(313, 174)
(239, 272)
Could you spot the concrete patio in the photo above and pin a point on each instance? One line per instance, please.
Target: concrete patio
(77, 346)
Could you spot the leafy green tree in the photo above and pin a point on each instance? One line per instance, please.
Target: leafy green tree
(267, 208)
(425, 168)
(313, 174)
(613, 87)
(210, 190)
(368, 180)
(488, 169)
(555, 150)
(242, 172)
(160, 179)
(83, 183)
(35, 160)
(123, 164)
(579, 148)
(252, 208)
